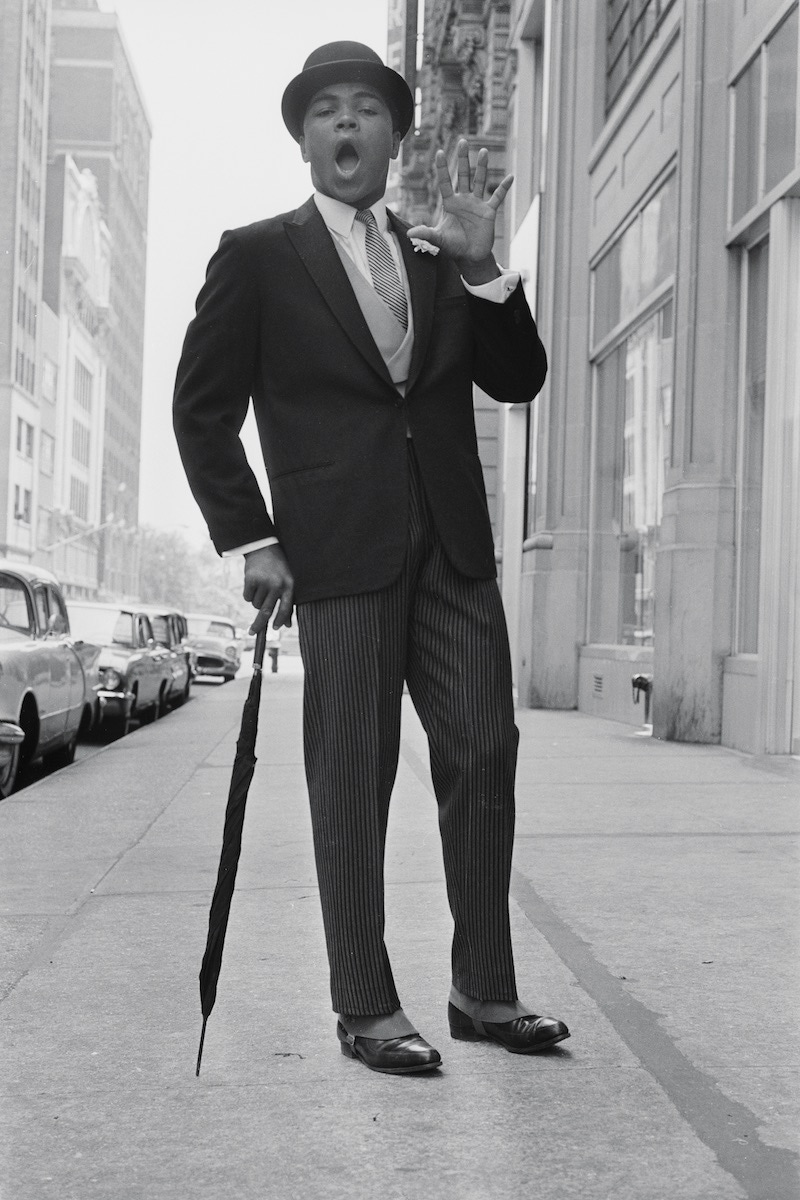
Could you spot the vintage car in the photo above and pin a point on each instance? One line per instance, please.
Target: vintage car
(171, 632)
(218, 649)
(47, 678)
(135, 673)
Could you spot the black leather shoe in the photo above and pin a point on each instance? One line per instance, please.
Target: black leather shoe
(392, 1056)
(523, 1035)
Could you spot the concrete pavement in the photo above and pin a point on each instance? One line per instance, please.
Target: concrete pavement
(654, 902)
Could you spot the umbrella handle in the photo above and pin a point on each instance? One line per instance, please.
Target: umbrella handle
(261, 645)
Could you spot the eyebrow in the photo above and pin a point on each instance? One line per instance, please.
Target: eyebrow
(368, 93)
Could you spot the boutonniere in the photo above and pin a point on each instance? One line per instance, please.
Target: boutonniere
(423, 247)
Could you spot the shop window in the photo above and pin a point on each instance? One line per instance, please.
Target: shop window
(632, 439)
(750, 466)
(631, 27)
(638, 262)
(782, 55)
(765, 100)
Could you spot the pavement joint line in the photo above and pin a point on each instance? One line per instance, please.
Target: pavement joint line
(78, 908)
(668, 833)
(728, 1128)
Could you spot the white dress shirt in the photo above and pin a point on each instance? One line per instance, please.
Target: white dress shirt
(351, 235)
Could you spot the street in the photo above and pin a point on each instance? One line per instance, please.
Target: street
(654, 910)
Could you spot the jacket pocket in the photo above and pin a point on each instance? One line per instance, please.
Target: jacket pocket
(300, 470)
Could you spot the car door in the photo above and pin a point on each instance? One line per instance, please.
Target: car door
(68, 669)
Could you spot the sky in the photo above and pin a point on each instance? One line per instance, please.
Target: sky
(212, 73)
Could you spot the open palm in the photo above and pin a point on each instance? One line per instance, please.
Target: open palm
(465, 231)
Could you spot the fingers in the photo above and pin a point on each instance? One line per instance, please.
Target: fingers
(425, 233)
(283, 598)
(462, 165)
(481, 168)
(443, 175)
(500, 192)
(269, 582)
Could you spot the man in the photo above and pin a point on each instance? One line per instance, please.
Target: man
(359, 355)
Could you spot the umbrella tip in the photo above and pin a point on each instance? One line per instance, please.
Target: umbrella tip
(200, 1048)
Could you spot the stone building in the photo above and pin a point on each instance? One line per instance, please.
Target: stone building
(24, 46)
(649, 524)
(98, 116)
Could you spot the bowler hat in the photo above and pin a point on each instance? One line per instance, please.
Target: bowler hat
(346, 62)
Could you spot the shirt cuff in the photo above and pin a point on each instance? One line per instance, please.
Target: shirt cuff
(270, 541)
(497, 290)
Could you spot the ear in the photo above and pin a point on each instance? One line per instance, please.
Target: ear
(396, 140)
(302, 144)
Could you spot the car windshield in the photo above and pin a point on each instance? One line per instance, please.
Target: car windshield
(206, 627)
(102, 626)
(14, 611)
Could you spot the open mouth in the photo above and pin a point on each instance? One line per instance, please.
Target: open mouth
(346, 159)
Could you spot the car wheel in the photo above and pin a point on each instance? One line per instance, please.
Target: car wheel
(228, 678)
(62, 757)
(9, 772)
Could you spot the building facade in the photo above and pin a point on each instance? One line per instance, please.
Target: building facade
(649, 523)
(98, 117)
(24, 47)
(457, 78)
(79, 321)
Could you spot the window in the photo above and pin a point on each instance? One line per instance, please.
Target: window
(24, 438)
(49, 380)
(631, 27)
(633, 434)
(638, 262)
(15, 608)
(750, 465)
(81, 443)
(58, 612)
(79, 498)
(47, 455)
(83, 386)
(22, 504)
(42, 612)
(782, 54)
(765, 148)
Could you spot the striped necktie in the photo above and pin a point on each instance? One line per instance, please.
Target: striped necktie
(385, 278)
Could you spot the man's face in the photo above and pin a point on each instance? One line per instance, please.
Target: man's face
(348, 139)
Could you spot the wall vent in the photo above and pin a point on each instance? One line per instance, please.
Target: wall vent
(598, 685)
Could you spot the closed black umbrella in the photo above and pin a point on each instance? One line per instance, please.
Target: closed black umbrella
(243, 766)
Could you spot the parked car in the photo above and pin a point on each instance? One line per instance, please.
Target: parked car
(218, 649)
(135, 673)
(46, 678)
(171, 632)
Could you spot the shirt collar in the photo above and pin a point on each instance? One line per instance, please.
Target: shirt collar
(339, 216)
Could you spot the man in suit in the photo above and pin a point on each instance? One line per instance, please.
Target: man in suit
(359, 355)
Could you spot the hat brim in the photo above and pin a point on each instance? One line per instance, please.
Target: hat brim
(390, 84)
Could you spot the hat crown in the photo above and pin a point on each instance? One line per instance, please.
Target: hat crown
(335, 52)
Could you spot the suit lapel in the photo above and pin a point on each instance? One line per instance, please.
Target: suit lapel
(312, 241)
(421, 272)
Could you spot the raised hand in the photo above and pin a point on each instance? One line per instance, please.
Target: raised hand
(465, 231)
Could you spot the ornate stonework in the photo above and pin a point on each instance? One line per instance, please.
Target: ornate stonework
(463, 94)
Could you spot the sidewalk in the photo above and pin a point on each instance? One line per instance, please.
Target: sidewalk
(654, 902)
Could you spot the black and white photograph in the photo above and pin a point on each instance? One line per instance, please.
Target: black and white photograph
(400, 599)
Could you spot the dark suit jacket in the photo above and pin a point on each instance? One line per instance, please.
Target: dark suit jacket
(277, 319)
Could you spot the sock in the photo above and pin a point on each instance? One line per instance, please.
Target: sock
(382, 1026)
(488, 1010)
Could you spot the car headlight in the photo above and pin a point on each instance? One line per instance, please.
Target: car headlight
(230, 652)
(111, 679)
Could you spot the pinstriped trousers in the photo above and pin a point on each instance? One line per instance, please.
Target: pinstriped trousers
(444, 634)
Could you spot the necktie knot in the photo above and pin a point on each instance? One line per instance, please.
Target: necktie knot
(366, 216)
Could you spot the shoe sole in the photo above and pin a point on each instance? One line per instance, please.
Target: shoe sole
(348, 1052)
(472, 1035)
